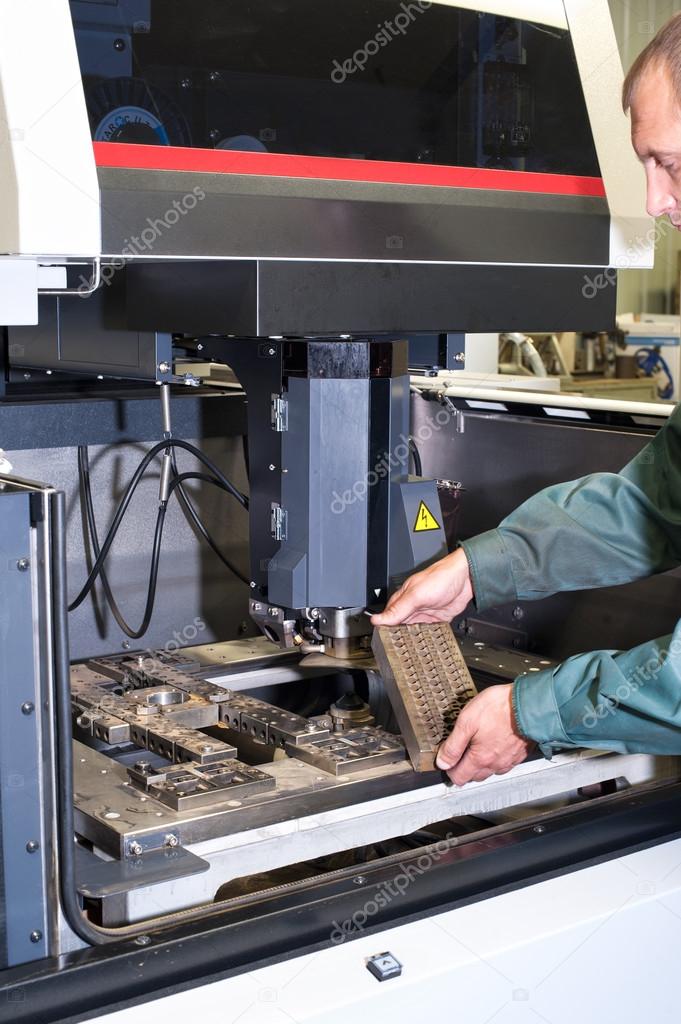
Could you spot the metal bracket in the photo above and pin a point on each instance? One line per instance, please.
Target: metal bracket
(279, 413)
(278, 522)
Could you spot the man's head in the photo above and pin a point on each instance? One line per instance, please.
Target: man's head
(652, 91)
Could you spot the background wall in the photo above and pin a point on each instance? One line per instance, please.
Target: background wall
(636, 22)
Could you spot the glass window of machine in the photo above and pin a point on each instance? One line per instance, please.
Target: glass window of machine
(410, 81)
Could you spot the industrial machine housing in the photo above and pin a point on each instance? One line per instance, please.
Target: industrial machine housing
(262, 191)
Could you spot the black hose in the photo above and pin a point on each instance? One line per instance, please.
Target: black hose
(134, 634)
(194, 518)
(132, 487)
(64, 737)
(416, 456)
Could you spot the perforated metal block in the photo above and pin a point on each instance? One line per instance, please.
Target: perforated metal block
(427, 682)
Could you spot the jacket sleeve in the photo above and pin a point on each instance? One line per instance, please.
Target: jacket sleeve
(605, 529)
(627, 701)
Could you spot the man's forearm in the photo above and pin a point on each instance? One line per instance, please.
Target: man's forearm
(629, 701)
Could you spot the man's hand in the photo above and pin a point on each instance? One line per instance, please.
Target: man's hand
(485, 740)
(435, 595)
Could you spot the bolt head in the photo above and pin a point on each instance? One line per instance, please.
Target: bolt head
(135, 849)
(23, 565)
(172, 841)
(119, 45)
(32, 846)
(27, 708)
(142, 940)
(164, 367)
(36, 936)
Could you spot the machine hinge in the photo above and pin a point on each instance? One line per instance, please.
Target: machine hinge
(279, 413)
(279, 522)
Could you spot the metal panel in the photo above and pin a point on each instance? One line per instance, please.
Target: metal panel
(312, 566)
(293, 298)
(198, 600)
(24, 801)
(298, 918)
(88, 336)
(244, 216)
(299, 298)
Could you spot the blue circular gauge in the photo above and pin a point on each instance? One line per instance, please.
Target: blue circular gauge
(131, 124)
(128, 110)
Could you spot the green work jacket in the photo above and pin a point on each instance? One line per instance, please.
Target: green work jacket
(605, 529)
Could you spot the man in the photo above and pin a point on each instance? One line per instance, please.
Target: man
(608, 528)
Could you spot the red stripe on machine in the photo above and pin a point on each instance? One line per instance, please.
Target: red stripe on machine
(281, 165)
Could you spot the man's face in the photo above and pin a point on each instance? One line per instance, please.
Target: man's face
(656, 137)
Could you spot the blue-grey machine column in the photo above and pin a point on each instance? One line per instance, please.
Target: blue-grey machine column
(347, 520)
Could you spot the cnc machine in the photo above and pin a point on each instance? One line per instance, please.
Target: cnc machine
(246, 249)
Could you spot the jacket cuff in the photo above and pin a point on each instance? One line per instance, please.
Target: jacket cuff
(536, 714)
(490, 567)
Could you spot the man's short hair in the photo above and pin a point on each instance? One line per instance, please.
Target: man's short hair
(665, 50)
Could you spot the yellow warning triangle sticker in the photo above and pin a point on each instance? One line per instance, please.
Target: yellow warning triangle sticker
(425, 520)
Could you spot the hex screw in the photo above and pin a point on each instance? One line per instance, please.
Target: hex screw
(27, 708)
(23, 565)
(36, 936)
(163, 367)
(32, 846)
(539, 829)
(135, 849)
(142, 940)
(360, 880)
(171, 841)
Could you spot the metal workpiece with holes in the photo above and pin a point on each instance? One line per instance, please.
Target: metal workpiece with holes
(428, 684)
(350, 752)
